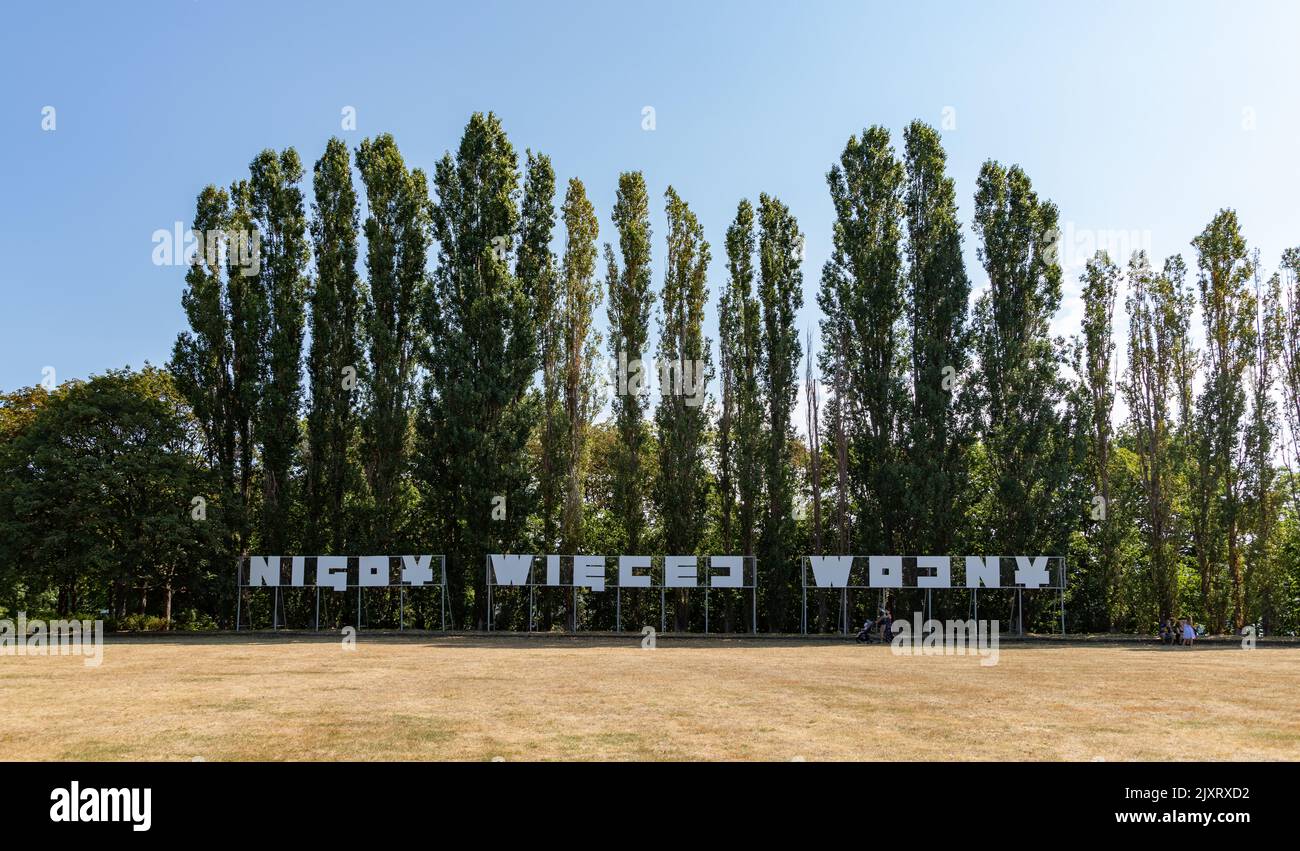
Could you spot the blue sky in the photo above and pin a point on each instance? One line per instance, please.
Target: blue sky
(1134, 117)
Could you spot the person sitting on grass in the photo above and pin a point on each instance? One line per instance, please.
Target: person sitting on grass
(1166, 632)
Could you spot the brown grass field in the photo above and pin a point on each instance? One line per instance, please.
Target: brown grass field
(474, 698)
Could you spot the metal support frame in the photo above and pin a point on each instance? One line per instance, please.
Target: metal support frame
(749, 564)
(277, 600)
(928, 602)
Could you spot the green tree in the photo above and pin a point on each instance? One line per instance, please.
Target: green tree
(334, 363)
(861, 298)
(937, 293)
(1228, 310)
(535, 267)
(630, 300)
(1100, 290)
(1263, 580)
(685, 369)
(97, 496)
(1159, 310)
(740, 424)
(780, 292)
(276, 207)
(579, 295)
(397, 245)
(1025, 423)
(477, 405)
(218, 363)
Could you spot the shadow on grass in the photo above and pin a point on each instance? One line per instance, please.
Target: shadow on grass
(516, 640)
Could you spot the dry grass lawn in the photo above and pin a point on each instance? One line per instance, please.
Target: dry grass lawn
(467, 698)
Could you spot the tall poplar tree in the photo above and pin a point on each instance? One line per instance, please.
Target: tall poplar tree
(276, 206)
(1159, 316)
(780, 292)
(937, 293)
(479, 406)
(334, 363)
(682, 415)
(397, 246)
(579, 295)
(1100, 290)
(535, 267)
(861, 298)
(630, 299)
(217, 364)
(1025, 435)
(1228, 309)
(1261, 580)
(740, 427)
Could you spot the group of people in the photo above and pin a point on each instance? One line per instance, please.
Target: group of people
(1181, 634)
(881, 627)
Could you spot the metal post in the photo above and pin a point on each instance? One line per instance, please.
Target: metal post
(239, 592)
(844, 610)
(530, 607)
(706, 611)
(358, 608)
(575, 607)
(275, 609)
(318, 608)
(618, 609)
(803, 581)
(975, 596)
(753, 602)
(663, 618)
(1020, 612)
(401, 608)
(1062, 611)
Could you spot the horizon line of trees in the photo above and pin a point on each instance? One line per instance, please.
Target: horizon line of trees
(351, 396)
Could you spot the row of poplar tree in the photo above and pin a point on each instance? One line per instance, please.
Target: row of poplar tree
(458, 406)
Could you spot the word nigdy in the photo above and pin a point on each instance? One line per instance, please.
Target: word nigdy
(333, 572)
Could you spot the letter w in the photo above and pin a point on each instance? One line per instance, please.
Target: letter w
(831, 571)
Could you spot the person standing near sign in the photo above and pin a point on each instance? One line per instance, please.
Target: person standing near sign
(1189, 632)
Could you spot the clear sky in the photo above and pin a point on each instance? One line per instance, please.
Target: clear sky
(1134, 117)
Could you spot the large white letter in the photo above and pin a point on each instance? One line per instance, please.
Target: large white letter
(885, 571)
(297, 569)
(1032, 575)
(983, 572)
(511, 569)
(374, 571)
(332, 572)
(680, 572)
(263, 570)
(942, 567)
(831, 571)
(627, 564)
(735, 575)
(417, 570)
(589, 572)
